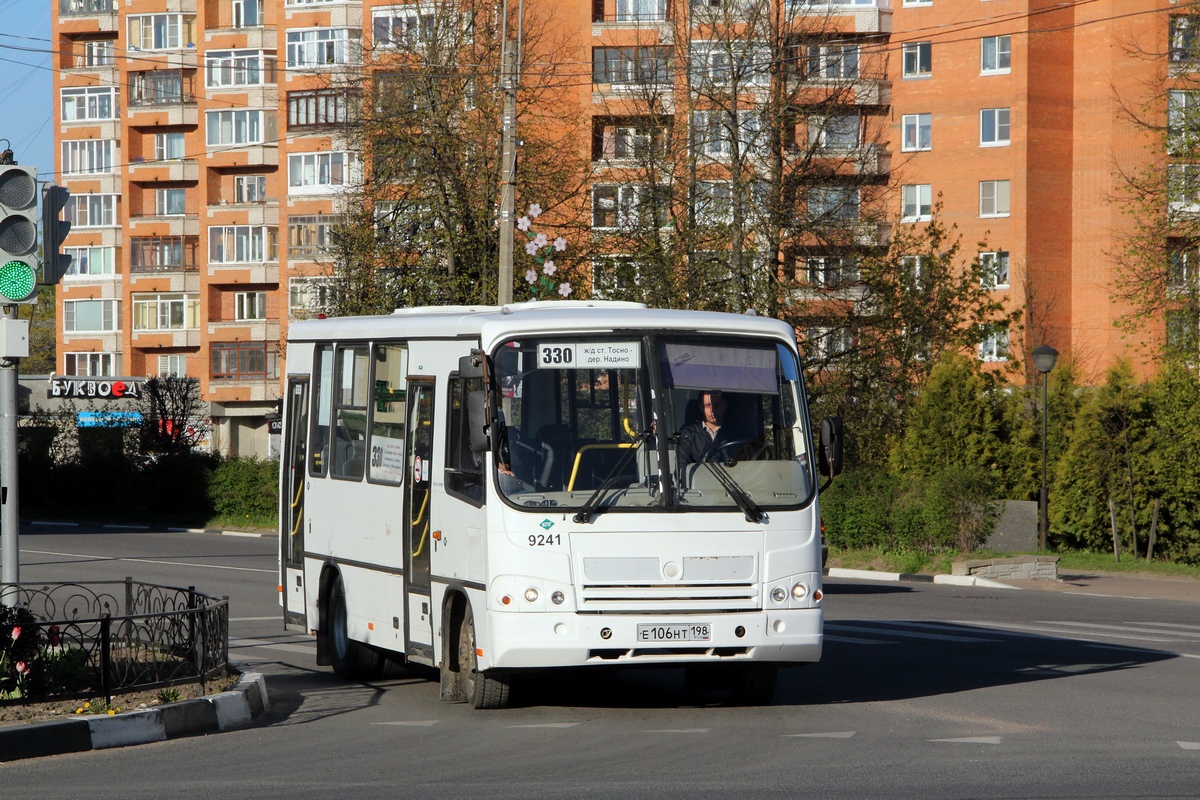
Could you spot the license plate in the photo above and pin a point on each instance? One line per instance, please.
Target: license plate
(693, 632)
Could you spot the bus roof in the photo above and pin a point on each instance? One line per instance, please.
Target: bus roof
(491, 323)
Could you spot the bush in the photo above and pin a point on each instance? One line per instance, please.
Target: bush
(245, 487)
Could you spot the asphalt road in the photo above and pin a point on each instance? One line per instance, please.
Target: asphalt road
(925, 691)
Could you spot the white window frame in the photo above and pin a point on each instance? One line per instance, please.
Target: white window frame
(995, 127)
(156, 311)
(825, 342)
(167, 143)
(1183, 188)
(1000, 57)
(247, 13)
(249, 189)
(172, 364)
(916, 201)
(234, 68)
(831, 62)
(714, 202)
(313, 294)
(97, 53)
(161, 31)
(994, 345)
(628, 203)
(237, 127)
(323, 48)
(91, 364)
(994, 269)
(247, 244)
(110, 316)
(851, 198)
(920, 54)
(912, 126)
(90, 262)
(89, 156)
(170, 202)
(913, 268)
(249, 306)
(98, 211)
(820, 127)
(322, 172)
(831, 271)
(87, 103)
(995, 198)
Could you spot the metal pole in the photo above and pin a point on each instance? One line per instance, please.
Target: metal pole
(508, 170)
(1044, 520)
(10, 563)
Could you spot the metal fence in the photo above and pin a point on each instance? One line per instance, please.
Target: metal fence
(108, 637)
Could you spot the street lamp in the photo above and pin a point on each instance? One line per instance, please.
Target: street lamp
(1044, 358)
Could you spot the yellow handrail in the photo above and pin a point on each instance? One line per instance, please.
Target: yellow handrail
(579, 457)
(417, 521)
(300, 516)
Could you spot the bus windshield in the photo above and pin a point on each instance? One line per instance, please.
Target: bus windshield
(649, 422)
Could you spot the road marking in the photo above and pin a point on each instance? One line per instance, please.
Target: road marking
(235, 643)
(885, 631)
(1115, 596)
(1189, 745)
(1118, 628)
(832, 735)
(970, 740)
(412, 723)
(1172, 625)
(126, 527)
(679, 730)
(546, 725)
(1038, 631)
(149, 561)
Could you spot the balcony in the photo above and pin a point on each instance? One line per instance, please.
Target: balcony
(862, 16)
(88, 16)
(175, 170)
(250, 155)
(266, 213)
(186, 337)
(159, 112)
(242, 330)
(238, 273)
(164, 263)
(254, 38)
(177, 225)
(341, 15)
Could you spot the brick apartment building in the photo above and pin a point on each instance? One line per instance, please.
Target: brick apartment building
(199, 141)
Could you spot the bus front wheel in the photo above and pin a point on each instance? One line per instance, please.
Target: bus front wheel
(350, 659)
(484, 689)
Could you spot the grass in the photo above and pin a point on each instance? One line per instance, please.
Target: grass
(940, 563)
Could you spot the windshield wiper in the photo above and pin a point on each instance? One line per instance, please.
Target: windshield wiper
(732, 487)
(592, 507)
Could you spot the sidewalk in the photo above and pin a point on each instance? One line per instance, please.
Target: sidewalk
(1114, 584)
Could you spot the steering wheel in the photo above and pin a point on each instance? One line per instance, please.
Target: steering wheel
(726, 450)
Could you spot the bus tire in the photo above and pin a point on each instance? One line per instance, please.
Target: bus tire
(486, 689)
(350, 659)
(753, 684)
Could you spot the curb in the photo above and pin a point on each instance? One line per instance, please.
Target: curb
(220, 712)
(132, 527)
(952, 580)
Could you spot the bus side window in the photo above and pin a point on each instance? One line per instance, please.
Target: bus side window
(464, 467)
(322, 396)
(389, 414)
(350, 435)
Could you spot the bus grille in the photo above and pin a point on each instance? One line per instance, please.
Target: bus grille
(649, 598)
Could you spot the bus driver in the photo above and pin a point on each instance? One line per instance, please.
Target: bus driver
(703, 439)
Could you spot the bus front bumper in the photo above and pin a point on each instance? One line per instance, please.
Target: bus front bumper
(564, 640)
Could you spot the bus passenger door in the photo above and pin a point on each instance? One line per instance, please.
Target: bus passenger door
(418, 615)
(292, 535)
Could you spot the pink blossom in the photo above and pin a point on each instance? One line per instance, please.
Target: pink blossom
(535, 210)
(523, 223)
(16, 634)
(21, 668)
(549, 268)
(531, 276)
(541, 240)
(564, 289)
(560, 244)
(531, 247)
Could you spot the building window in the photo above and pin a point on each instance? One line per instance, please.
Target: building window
(162, 253)
(995, 54)
(321, 173)
(310, 296)
(322, 47)
(918, 132)
(1183, 112)
(833, 203)
(250, 306)
(1181, 271)
(993, 198)
(631, 66)
(97, 53)
(410, 26)
(1183, 331)
(918, 59)
(993, 127)
(243, 127)
(913, 269)
(170, 202)
(90, 261)
(249, 189)
(1185, 44)
(917, 200)
(626, 206)
(911, 3)
(993, 342)
(88, 156)
(635, 140)
(161, 31)
(159, 87)
(172, 365)
(92, 365)
(311, 236)
(831, 272)
(712, 136)
(244, 360)
(247, 13)
(242, 244)
(840, 132)
(91, 316)
(166, 312)
(238, 68)
(91, 210)
(640, 11)
(89, 103)
(819, 62)
(722, 64)
(168, 146)
(821, 343)
(614, 277)
(317, 109)
(994, 270)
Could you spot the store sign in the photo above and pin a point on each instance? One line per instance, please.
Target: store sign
(72, 388)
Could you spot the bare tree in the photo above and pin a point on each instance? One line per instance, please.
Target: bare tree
(172, 415)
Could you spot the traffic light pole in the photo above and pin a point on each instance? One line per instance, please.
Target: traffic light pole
(10, 558)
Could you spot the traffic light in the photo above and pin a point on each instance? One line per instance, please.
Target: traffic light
(18, 234)
(54, 230)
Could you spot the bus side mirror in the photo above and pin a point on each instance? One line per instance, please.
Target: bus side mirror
(477, 421)
(470, 367)
(830, 453)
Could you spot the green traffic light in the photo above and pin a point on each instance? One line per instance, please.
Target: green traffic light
(17, 280)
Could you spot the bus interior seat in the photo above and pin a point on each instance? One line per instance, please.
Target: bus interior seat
(554, 451)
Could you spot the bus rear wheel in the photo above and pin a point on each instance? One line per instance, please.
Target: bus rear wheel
(350, 659)
(486, 689)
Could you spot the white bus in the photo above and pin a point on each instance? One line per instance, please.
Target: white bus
(486, 490)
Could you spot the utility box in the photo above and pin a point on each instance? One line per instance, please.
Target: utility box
(14, 338)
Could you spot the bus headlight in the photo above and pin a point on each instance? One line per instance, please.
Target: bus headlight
(778, 594)
(799, 591)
